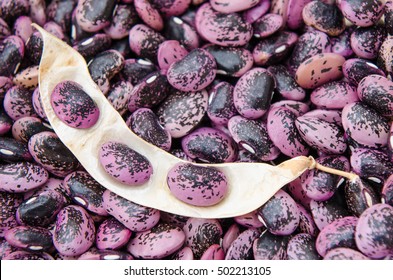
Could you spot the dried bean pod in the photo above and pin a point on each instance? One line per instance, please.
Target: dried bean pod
(75, 232)
(135, 217)
(302, 247)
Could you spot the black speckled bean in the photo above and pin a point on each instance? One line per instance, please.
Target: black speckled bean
(221, 107)
(355, 69)
(9, 202)
(11, 9)
(209, 145)
(252, 135)
(123, 19)
(134, 216)
(112, 235)
(30, 238)
(177, 29)
(92, 46)
(94, 15)
(373, 165)
(145, 41)
(86, 192)
(135, 70)
(18, 103)
(286, 85)
(280, 214)
(144, 123)
(366, 41)
(75, 232)
(241, 247)
(24, 255)
(302, 247)
(12, 150)
(40, 209)
(61, 163)
(231, 61)
(26, 127)
(33, 48)
(149, 92)
(359, 196)
(374, 230)
(334, 95)
(94, 254)
(387, 191)
(201, 234)
(60, 12)
(270, 247)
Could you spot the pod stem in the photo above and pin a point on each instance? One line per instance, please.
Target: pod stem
(349, 175)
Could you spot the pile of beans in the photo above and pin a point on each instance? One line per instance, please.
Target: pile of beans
(215, 81)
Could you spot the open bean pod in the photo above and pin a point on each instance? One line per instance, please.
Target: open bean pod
(253, 183)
